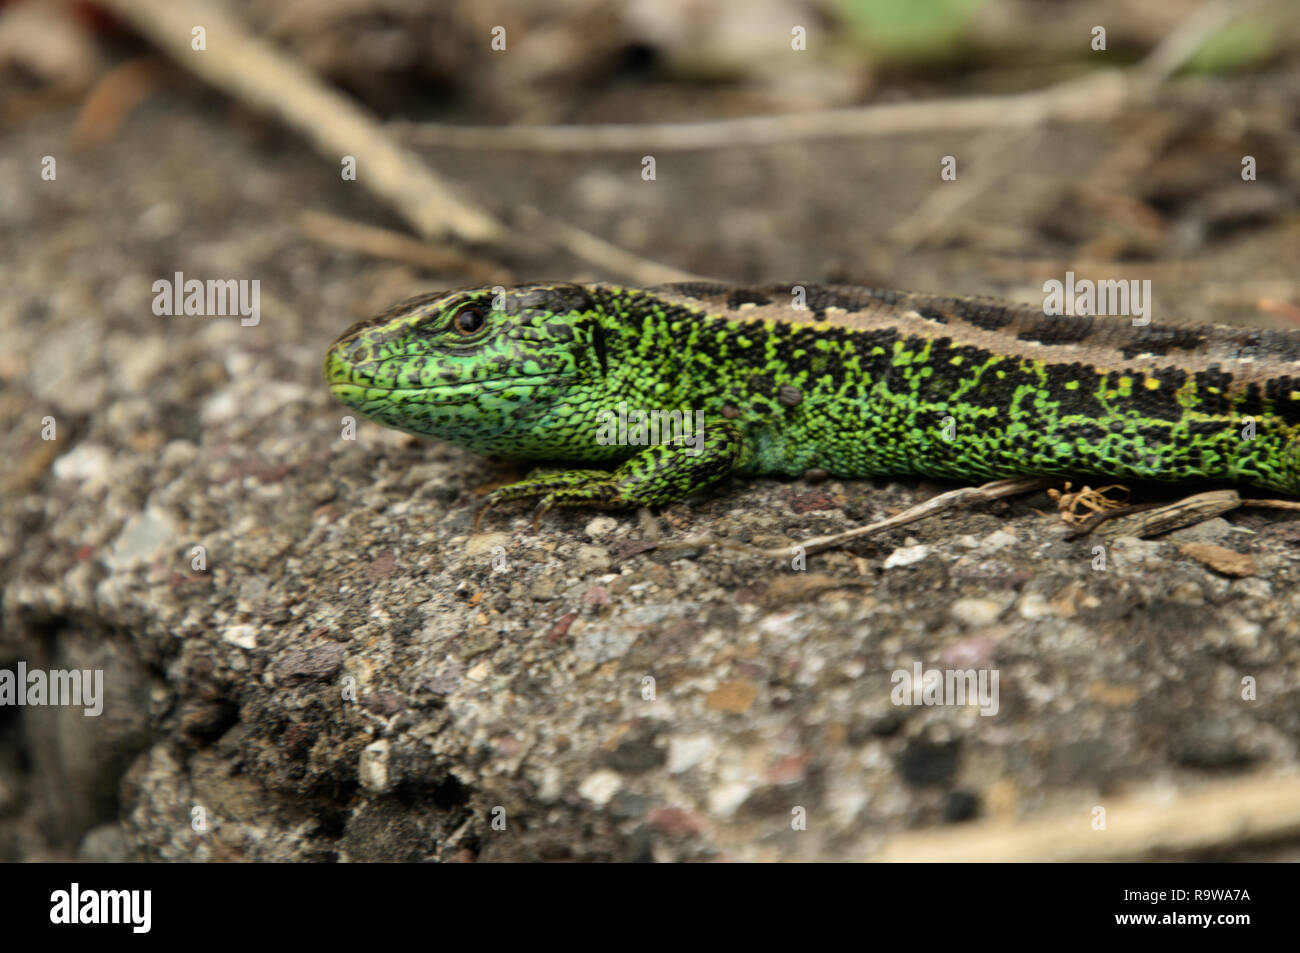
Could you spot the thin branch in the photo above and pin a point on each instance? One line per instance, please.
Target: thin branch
(1137, 827)
(966, 496)
(398, 246)
(1089, 98)
(953, 499)
(1190, 35)
(595, 250)
(255, 72)
(1093, 97)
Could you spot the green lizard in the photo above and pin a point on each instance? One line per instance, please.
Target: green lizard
(858, 382)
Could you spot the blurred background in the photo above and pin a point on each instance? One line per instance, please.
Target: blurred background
(1154, 180)
(1106, 137)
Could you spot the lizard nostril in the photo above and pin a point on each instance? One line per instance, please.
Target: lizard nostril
(350, 351)
(342, 358)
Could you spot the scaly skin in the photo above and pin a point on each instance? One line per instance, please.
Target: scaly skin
(861, 383)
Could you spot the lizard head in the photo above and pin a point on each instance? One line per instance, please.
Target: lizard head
(478, 367)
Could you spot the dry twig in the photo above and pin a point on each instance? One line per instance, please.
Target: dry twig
(1095, 96)
(257, 73)
(1137, 827)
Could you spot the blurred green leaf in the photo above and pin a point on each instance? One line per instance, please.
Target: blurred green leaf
(907, 30)
(1243, 44)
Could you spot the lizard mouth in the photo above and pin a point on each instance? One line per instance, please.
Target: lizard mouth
(348, 391)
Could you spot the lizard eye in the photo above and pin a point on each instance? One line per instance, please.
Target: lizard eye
(468, 320)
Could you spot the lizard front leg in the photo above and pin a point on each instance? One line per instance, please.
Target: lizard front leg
(661, 473)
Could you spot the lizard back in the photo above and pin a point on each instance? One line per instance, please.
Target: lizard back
(869, 381)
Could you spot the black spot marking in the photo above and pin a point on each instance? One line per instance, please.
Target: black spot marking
(1170, 378)
(1158, 403)
(1080, 400)
(555, 299)
(983, 312)
(1253, 401)
(1159, 340)
(694, 289)
(993, 391)
(746, 296)
(1059, 329)
(1207, 382)
(1278, 392)
(818, 298)
(932, 314)
(554, 331)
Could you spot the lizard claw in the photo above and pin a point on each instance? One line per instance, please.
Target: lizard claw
(543, 505)
(482, 508)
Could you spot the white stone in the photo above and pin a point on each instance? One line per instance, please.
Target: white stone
(600, 786)
(374, 766)
(975, 611)
(906, 556)
(245, 636)
(685, 753)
